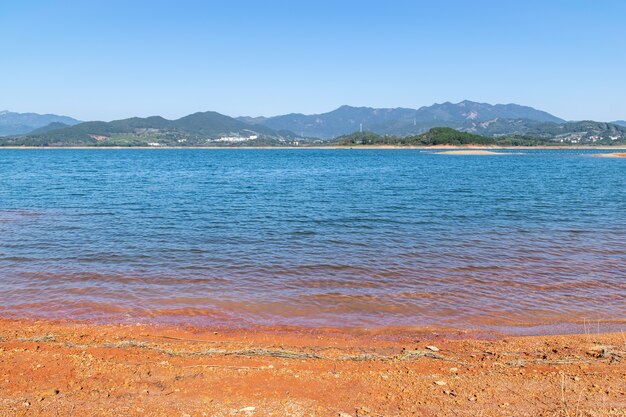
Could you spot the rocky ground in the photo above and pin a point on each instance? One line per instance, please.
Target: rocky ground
(63, 369)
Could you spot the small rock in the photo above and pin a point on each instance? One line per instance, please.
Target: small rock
(440, 382)
(50, 392)
(598, 351)
(341, 414)
(433, 348)
(454, 370)
(363, 412)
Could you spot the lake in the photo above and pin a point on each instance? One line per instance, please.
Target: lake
(532, 241)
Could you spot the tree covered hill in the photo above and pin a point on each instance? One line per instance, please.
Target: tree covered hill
(435, 136)
(452, 137)
(205, 128)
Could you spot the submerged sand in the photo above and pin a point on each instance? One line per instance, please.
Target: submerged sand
(471, 152)
(49, 369)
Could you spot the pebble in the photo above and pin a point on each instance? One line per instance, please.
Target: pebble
(341, 414)
(363, 412)
(454, 370)
(433, 348)
(440, 382)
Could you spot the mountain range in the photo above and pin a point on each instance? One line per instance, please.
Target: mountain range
(466, 115)
(214, 129)
(21, 123)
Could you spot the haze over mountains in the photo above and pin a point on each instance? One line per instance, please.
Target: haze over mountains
(211, 128)
(21, 123)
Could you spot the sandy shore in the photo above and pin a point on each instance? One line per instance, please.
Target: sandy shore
(49, 369)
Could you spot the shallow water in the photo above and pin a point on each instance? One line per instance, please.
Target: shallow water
(314, 237)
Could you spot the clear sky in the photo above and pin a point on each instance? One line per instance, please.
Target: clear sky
(115, 59)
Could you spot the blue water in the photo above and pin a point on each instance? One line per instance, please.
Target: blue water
(314, 237)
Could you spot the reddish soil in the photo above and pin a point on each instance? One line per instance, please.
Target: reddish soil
(64, 369)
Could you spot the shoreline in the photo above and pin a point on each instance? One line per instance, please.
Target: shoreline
(58, 367)
(555, 326)
(435, 147)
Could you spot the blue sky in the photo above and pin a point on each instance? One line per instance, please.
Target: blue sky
(115, 59)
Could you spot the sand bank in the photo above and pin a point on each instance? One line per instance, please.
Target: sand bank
(611, 155)
(49, 368)
(471, 152)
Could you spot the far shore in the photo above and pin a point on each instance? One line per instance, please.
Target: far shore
(60, 368)
(434, 147)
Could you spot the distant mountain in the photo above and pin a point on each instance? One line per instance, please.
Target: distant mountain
(208, 128)
(619, 122)
(22, 123)
(466, 115)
